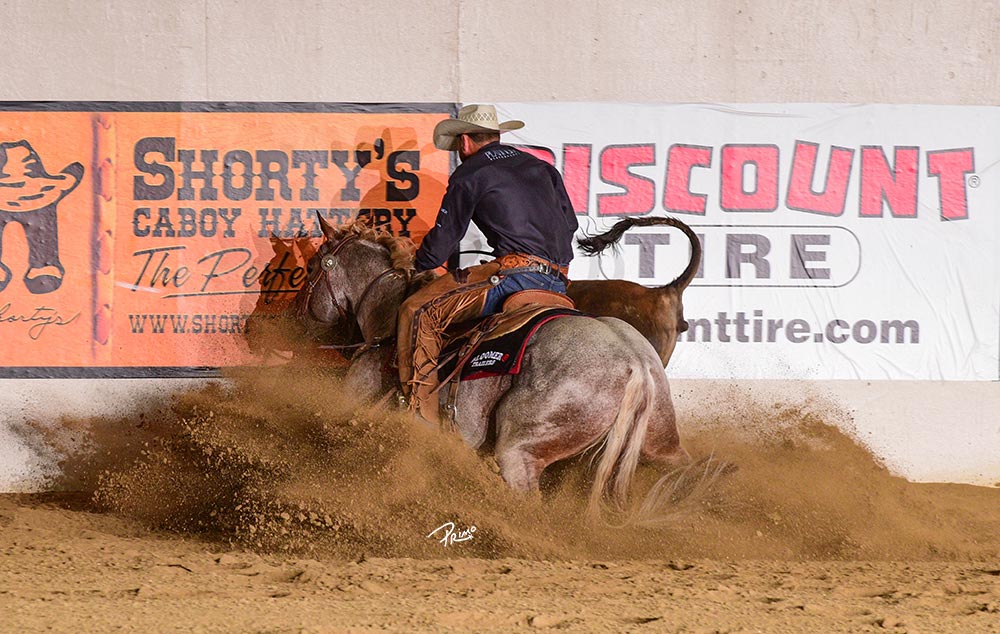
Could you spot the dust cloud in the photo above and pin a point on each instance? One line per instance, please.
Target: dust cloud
(282, 460)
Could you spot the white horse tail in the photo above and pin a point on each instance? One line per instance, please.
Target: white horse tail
(622, 443)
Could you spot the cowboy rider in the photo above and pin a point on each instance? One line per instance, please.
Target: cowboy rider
(520, 204)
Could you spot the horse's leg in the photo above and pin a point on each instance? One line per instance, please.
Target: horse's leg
(662, 443)
(667, 453)
(520, 469)
(476, 400)
(366, 378)
(540, 421)
(528, 444)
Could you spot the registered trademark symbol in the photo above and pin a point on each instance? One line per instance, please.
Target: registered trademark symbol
(974, 181)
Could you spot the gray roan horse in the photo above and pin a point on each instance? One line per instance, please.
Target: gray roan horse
(584, 382)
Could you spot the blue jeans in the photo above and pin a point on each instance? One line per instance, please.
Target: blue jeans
(511, 284)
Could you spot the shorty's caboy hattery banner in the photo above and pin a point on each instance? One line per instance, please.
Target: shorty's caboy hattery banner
(136, 239)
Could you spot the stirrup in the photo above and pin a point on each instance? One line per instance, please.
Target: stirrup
(448, 418)
(402, 403)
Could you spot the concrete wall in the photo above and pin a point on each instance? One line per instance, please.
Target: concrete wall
(524, 50)
(512, 50)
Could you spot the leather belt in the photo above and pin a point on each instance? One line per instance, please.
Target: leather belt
(531, 263)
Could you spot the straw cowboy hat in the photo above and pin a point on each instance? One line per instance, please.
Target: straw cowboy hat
(471, 119)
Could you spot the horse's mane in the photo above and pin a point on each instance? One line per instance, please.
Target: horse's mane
(401, 250)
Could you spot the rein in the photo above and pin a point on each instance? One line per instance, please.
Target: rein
(327, 262)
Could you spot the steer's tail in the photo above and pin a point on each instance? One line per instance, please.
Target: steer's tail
(592, 245)
(623, 441)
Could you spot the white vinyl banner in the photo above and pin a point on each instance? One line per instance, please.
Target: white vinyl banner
(840, 241)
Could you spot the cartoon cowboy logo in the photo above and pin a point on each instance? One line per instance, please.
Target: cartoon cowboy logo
(29, 196)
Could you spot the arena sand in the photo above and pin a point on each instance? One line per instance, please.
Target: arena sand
(272, 502)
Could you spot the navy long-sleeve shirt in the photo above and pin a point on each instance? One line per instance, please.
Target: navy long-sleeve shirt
(518, 201)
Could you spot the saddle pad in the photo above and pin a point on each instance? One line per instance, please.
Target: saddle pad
(498, 355)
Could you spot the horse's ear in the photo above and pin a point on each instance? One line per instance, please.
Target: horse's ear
(328, 230)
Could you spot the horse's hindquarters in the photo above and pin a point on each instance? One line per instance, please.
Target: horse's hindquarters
(583, 382)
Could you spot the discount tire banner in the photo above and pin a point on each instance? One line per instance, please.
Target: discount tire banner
(136, 239)
(840, 242)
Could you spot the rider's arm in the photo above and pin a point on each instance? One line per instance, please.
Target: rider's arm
(451, 224)
(566, 207)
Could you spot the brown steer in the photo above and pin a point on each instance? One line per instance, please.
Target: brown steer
(656, 312)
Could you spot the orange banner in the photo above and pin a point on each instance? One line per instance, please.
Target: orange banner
(139, 241)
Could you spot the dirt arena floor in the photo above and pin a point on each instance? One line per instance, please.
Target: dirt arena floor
(271, 503)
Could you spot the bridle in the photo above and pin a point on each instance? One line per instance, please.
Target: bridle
(327, 262)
